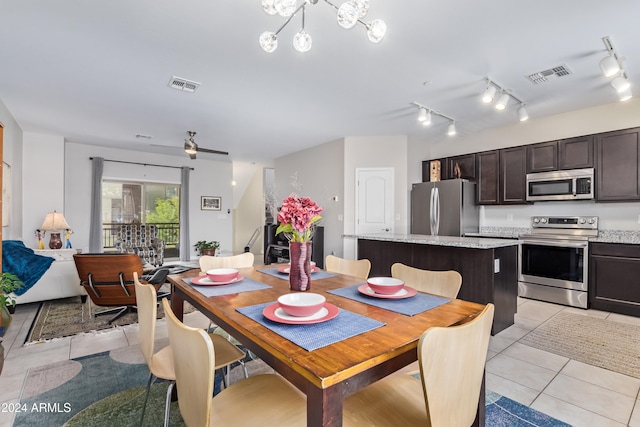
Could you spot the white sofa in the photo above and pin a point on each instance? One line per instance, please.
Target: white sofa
(59, 281)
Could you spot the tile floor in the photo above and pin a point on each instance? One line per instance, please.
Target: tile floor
(574, 392)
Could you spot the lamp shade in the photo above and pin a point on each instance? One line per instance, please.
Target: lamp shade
(54, 221)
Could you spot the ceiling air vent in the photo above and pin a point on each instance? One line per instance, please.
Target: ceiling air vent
(550, 74)
(183, 84)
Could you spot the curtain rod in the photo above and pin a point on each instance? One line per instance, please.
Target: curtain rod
(142, 164)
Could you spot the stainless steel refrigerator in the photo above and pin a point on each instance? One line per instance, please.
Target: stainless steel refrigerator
(445, 208)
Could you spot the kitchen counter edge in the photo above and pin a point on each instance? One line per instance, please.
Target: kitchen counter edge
(420, 239)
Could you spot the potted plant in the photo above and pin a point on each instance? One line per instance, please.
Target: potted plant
(8, 283)
(206, 248)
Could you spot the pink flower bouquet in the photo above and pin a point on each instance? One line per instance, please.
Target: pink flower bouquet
(297, 216)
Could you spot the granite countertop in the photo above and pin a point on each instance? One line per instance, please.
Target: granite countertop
(461, 242)
(604, 236)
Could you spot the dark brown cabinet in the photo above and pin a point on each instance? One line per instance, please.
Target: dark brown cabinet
(618, 160)
(488, 177)
(612, 269)
(467, 164)
(542, 157)
(575, 153)
(426, 169)
(513, 185)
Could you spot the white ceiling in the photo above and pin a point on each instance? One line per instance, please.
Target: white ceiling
(97, 72)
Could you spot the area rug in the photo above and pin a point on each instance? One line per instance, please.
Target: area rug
(599, 342)
(69, 316)
(108, 389)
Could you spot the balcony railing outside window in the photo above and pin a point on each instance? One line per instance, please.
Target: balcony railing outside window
(169, 232)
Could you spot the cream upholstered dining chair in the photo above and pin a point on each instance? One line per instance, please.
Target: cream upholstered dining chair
(161, 363)
(452, 362)
(265, 399)
(443, 283)
(358, 268)
(208, 262)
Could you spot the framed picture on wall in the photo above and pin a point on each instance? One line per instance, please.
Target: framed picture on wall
(210, 203)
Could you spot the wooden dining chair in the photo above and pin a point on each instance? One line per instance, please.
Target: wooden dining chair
(358, 268)
(443, 283)
(208, 262)
(261, 400)
(452, 362)
(161, 364)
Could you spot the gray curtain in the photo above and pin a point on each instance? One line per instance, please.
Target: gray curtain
(95, 228)
(185, 245)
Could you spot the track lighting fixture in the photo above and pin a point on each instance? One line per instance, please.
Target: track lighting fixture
(348, 15)
(424, 117)
(503, 99)
(611, 66)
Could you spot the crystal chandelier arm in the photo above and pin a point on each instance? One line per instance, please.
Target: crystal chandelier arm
(302, 6)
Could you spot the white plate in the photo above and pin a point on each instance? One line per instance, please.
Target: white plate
(402, 292)
(284, 316)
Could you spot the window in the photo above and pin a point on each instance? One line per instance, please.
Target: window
(145, 203)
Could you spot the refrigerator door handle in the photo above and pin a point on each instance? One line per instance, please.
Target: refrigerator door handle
(431, 210)
(436, 211)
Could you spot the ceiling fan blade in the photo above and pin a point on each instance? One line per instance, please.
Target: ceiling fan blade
(207, 150)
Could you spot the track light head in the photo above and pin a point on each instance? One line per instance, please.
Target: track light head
(625, 95)
(451, 130)
(489, 94)
(503, 100)
(522, 113)
(620, 84)
(422, 115)
(609, 66)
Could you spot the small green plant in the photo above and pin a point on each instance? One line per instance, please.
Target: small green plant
(8, 283)
(204, 245)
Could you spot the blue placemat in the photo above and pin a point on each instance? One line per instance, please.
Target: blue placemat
(312, 337)
(320, 274)
(407, 306)
(245, 285)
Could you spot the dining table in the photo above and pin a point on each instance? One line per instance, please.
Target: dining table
(325, 370)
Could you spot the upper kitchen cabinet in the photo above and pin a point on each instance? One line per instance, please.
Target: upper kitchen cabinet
(542, 157)
(513, 186)
(432, 167)
(467, 165)
(488, 177)
(575, 153)
(618, 160)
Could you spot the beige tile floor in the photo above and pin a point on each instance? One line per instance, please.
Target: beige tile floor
(579, 394)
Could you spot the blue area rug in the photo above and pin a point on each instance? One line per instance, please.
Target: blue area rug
(97, 390)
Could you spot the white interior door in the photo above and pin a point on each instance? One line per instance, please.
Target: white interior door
(374, 196)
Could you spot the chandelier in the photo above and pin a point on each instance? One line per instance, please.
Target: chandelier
(348, 15)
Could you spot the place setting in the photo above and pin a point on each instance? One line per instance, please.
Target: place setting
(308, 320)
(223, 281)
(391, 294)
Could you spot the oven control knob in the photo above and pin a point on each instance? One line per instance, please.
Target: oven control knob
(582, 221)
(536, 220)
(591, 220)
(543, 220)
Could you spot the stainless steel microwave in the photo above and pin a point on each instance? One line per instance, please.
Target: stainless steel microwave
(574, 184)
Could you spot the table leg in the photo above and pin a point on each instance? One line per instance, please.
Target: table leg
(177, 305)
(324, 406)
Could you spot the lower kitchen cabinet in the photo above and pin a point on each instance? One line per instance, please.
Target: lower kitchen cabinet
(613, 278)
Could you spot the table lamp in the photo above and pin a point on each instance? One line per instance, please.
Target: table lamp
(54, 222)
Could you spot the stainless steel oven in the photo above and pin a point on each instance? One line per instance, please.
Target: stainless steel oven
(553, 259)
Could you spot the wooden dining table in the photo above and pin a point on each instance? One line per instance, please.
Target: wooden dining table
(329, 374)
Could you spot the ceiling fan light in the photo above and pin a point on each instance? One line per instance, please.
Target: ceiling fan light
(302, 41)
(451, 130)
(190, 147)
(609, 66)
(503, 100)
(522, 114)
(268, 41)
(620, 84)
(489, 94)
(348, 14)
(625, 95)
(376, 30)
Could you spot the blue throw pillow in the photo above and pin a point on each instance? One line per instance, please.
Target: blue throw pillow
(23, 262)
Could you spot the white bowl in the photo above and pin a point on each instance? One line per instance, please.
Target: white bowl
(385, 285)
(301, 304)
(222, 274)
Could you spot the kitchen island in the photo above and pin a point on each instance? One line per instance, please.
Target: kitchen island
(488, 266)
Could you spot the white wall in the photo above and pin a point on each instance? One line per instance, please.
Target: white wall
(368, 152)
(12, 155)
(618, 115)
(209, 178)
(320, 173)
(249, 215)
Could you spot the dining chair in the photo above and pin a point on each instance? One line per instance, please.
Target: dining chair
(452, 361)
(208, 262)
(443, 283)
(160, 363)
(265, 399)
(358, 268)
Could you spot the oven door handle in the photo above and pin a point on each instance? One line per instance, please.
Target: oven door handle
(555, 244)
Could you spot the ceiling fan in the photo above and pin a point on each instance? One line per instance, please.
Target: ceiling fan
(191, 148)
